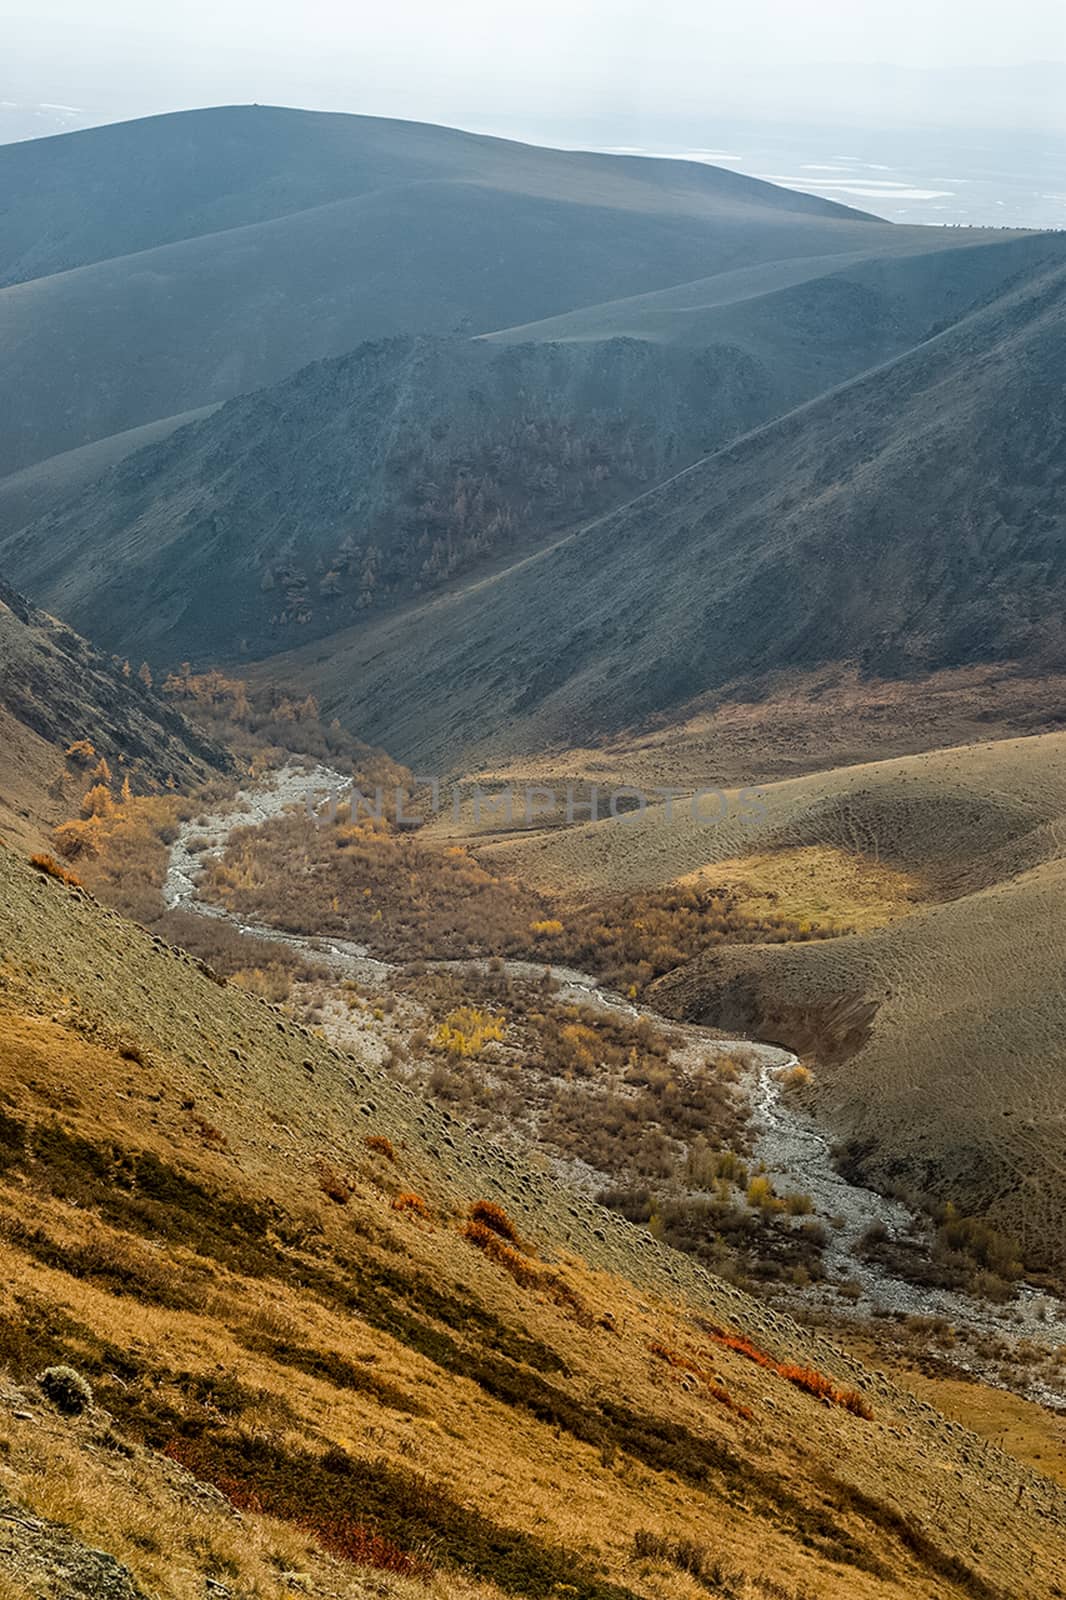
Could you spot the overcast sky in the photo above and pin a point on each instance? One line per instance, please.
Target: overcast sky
(563, 64)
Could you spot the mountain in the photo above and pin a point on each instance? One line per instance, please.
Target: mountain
(907, 521)
(56, 690)
(366, 480)
(262, 1297)
(153, 268)
(100, 193)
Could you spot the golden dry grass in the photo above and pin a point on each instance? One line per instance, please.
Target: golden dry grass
(555, 1423)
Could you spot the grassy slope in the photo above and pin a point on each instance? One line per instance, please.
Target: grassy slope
(827, 309)
(144, 1053)
(938, 1038)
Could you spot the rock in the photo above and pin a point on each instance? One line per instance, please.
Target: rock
(68, 1390)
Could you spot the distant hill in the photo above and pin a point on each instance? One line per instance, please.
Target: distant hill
(159, 266)
(910, 520)
(817, 312)
(57, 689)
(99, 193)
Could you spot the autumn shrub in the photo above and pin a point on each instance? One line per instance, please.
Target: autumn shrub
(807, 1379)
(338, 1531)
(690, 1364)
(380, 1145)
(495, 1217)
(81, 753)
(333, 1184)
(413, 1203)
(50, 866)
(485, 1239)
(466, 1031)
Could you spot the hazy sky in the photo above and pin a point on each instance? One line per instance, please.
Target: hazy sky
(562, 63)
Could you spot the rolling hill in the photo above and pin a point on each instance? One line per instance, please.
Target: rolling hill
(906, 522)
(154, 268)
(933, 1021)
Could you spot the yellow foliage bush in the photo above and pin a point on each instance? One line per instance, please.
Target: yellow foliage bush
(466, 1031)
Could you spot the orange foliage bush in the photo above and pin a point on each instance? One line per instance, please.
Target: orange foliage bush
(413, 1203)
(380, 1146)
(717, 1391)
(484, 1238)
(806, 1378)
(494, 1217)
(51, 866)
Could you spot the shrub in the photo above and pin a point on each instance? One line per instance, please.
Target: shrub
(81, 753)
(483, 1238)
(381, 1146)
(50, 865)
(413, 1203)
(494, 1217)
(717, 1390)
(856, 1403)
(466, 1031)
(67, 1390)
(334, 1185)
(805, 1378)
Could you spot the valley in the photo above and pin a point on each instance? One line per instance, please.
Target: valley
(783, 1142)
(650, 1189)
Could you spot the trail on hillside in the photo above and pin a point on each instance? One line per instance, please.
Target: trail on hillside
(794, 1151)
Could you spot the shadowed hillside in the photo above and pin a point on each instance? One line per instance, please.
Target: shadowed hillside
(367, 479)
(58, 691)
(364, 481)
(159, 267)
(909, 521)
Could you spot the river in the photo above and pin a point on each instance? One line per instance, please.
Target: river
(795, 1152)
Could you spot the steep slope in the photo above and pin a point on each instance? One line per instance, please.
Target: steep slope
(29, 494)
(464, 232)
(362, 480)
(316, 1326)
(366, 479)
(908, 521)
(55, 690)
